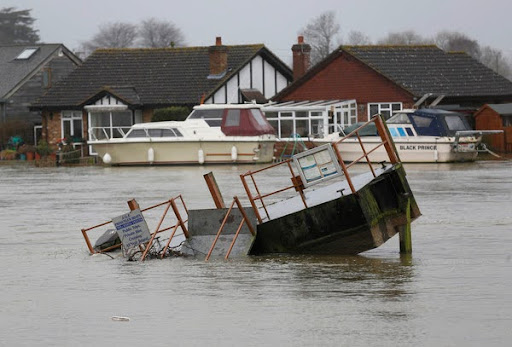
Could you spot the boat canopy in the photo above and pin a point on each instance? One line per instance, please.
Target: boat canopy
(432, 122)
(234, 120)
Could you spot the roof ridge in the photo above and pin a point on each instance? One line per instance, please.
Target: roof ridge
(390, 46)
(164, 49)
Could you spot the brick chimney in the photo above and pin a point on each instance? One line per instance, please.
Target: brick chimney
(218, 57)
(301, 52)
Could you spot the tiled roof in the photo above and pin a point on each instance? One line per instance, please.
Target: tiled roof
(428, 69)
(13, 71)
(162, 76)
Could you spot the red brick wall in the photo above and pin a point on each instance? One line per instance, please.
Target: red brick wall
(51, 131)
(347, 78)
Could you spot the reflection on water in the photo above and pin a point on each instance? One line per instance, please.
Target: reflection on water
(453, 290)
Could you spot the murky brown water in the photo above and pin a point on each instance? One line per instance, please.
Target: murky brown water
(454, 290)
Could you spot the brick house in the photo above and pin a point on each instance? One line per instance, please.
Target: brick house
(27, 72)
(116, 88)
(383, 79)
(496, 117)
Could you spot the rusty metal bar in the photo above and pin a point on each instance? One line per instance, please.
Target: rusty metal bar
(97, 226)
(388, 144)
(259, 194)
(234, 239)
(354, 131)
(365, 154)
(178, 216)
(87, 241)
(344, 168)
(169, 241)
(220, 230)
(369, 152)
(242, 211)
(150, 243)
(301, 193)
(251, 199)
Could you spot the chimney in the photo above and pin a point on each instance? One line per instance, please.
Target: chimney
(301, 52)
(218, 57)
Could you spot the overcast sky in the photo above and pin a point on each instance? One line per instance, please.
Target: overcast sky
(275, 23)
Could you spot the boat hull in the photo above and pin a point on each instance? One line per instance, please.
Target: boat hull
(186, 152)
(418, 150)
(347, 225)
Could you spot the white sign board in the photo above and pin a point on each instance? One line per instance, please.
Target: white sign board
(132, 229)
(317, 164)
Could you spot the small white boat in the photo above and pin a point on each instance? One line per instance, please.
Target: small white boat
(210, 134)
(420, 136)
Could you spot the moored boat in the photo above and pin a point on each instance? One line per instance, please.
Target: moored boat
(420, 136)
(210, 134)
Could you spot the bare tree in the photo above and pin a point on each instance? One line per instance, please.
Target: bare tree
(408, 37)
(494, 59)
(112, 35)
(357, 38)
(156, 33)
(455, 41)
(320, 33)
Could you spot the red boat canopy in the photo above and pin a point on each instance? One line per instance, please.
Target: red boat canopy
(245, 122)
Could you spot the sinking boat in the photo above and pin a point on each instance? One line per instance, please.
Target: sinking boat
(210, 134)
(420, 136)
(325, 209)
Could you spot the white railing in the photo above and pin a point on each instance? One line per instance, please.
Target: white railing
(107, 133)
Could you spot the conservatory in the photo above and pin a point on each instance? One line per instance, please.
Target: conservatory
(310, 119)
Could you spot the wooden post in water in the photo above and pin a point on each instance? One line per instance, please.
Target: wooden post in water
(405, 233)
(214, 190)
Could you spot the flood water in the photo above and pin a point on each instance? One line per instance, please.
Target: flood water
(455, 289)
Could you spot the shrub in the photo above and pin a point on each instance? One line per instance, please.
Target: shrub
(177, 113)
(43, 148)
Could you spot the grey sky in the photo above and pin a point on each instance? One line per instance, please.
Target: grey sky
(274, 23)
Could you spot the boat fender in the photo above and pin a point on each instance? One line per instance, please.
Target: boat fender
(151, 155)
(107, 159)
(234, 153)
(200, 156)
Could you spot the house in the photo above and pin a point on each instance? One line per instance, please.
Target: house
(496, 117)
(116, 88)
(26, 73)
(384, 79)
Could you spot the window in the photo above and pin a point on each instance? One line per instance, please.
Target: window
(212, 117)
(455, 123)
(26, 53)
(108, 125)
(47, 78)
(137, 133)
(71, 125)
(386, 110)
(256, 113)
(233, 118)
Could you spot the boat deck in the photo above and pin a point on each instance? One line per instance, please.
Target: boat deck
(318, 196)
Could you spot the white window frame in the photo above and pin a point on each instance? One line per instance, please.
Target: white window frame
(381, 107)
(70, 116)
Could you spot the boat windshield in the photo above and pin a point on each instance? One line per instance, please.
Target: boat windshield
(399, 118)
(213, 117)
(455, 123)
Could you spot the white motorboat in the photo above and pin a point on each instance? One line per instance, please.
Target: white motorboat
(420, 136)
(210, 134)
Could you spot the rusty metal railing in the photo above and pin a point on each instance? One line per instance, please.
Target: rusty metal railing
(297, 184)
(171, 203)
